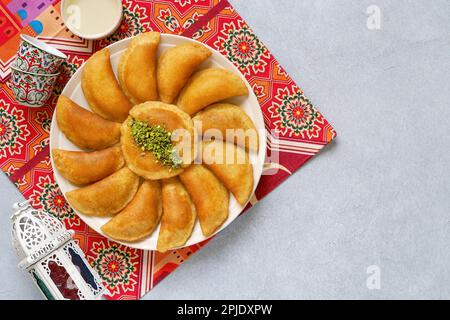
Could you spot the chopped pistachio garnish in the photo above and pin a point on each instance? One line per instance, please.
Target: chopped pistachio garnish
(157, 140)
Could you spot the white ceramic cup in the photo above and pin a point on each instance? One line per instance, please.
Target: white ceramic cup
(94, 36)
(36, 56)
(32, 89)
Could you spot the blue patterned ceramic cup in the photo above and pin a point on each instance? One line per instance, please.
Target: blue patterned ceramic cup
(32, 89)
(38, 57)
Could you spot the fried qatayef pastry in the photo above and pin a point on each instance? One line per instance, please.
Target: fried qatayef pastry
(209, 195)
(106, 197)
(87, 167)
(140, 162)
(137, 68)
(84, 128)
(176, 66)
(172, 119)
(179, 215)
(209, 86)
(140, 218)
(102, 90)
(232, 122)
(231, 164)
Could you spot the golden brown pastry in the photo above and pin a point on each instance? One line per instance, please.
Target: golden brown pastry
(106, 197)
(225, 116)
(231, 164)
(137, 68)
(179, 215)
(209, 195)
(176, 66)
(140, 218)
(172, 118)
(210, 86)
(140, 162)
(102, 90)
(84, 128)
(88, 167)
(167, 115)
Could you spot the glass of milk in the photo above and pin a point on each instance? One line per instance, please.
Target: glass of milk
(92, 19)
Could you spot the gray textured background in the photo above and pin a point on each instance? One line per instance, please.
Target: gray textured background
(378, 196)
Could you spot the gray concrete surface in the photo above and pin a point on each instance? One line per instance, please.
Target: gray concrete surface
(379, 196)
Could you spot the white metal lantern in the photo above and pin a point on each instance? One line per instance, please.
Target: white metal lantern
(55, 262)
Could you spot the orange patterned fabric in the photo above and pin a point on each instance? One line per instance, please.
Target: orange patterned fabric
(296, 129)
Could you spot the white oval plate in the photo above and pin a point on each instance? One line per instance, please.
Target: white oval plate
(249, 104)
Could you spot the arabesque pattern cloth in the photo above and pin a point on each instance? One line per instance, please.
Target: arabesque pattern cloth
(296, 129)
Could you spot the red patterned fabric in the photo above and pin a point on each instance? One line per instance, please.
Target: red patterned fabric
(297, 130)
